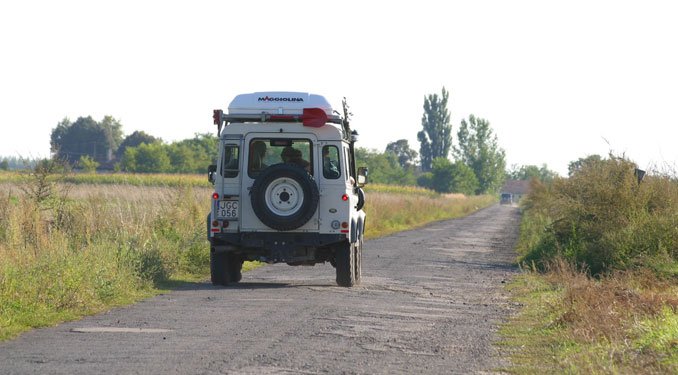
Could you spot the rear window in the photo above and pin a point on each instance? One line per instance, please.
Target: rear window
(264, 152)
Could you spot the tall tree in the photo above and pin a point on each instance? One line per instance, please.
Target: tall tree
(401, 149)
(478, 148)
(113, 133)
(436, 137)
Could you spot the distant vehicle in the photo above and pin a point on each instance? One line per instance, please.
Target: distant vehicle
(506, 198)
(286, 187)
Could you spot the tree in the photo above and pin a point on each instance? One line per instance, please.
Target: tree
(401, 149)
(70, 141)
(478, 149)
(580, 163)
(128, 162)
(113, 133)
(183, 158)
(441, 179)
(4, 164)
(528, 172)
(384, 167)
(463, 179)
(152, 158)
(436, 137)
(135, 139)
(457, 177)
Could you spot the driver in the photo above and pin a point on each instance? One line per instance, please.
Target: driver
(290, 154)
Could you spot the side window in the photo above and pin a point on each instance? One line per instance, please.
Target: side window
(331, 166)
(229, 167)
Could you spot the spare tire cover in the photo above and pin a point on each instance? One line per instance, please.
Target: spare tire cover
(284, 196)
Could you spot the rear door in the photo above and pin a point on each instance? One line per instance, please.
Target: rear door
(262, 150)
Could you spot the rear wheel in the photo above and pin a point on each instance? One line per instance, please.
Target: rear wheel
(235, 268)
(345, 263)
(219, 269)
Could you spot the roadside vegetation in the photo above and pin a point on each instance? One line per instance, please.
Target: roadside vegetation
(72, 245)
(600, 294)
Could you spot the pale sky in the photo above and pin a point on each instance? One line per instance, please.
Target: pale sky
(557, 80)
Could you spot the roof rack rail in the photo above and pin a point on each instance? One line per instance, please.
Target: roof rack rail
(313, 117)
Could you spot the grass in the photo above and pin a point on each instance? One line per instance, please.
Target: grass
(159, 179)
(71, 249)
(624, 323)
(391, 210)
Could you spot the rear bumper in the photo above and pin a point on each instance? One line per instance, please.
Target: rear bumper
(277, 247)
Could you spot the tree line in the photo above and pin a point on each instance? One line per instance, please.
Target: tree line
(471, 162)
(90, 145)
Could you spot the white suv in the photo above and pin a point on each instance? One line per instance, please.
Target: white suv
(286, 187)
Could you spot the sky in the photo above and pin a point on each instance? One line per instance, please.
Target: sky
(557, 80)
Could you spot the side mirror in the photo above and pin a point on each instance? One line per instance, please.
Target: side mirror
(362, 176)
(211, 171)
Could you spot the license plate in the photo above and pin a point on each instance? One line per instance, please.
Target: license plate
(227, 210)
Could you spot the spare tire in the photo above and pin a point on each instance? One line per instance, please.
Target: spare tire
(284, 196)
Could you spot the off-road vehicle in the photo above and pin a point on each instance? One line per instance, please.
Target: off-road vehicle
(286, 187)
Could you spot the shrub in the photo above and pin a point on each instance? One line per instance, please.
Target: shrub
(88, 164)
(601, 216)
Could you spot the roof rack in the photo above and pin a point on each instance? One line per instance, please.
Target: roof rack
(313, 117)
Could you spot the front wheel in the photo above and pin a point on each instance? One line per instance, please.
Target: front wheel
(358, 254)
(344, 255)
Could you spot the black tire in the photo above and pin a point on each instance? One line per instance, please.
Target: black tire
(235, 268)
(361, 199)
(219, 268)
(358, 249)
(284, 196)
(345, 264)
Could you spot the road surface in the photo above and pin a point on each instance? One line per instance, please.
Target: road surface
(430, 302)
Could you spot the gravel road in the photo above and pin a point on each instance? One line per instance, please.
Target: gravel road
(430, 302)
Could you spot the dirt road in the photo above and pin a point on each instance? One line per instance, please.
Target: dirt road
(430, 302)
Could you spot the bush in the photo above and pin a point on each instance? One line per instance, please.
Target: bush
(601, 216)
(88, 164)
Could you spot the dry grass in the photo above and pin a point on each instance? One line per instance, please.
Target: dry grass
(389, 213)
(626, 322)
(607, 308)
(87, 247)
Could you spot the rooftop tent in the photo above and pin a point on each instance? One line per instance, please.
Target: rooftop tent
(278, 103)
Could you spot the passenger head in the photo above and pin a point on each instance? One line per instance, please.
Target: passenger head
(259, 148)
(257, 153)
(289, 153)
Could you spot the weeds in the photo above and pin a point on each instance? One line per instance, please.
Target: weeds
(602, 217)
(601, 294)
